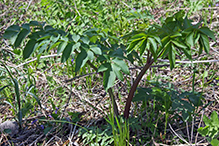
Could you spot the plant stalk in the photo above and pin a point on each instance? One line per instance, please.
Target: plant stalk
(134, 86)
(110, 91)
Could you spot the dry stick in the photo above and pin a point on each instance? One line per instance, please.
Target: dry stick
(196, 137)
(170, 10)
(179, 136)
(202, 61)
(41, 57)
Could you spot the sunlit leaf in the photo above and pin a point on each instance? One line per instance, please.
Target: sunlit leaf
(214, 118)
(75, 37)
(190, 39)
(96, 50)
(109, 78)
(90, 55)
(205, 43)
(117, 71)
(122, 65)
(103, 67)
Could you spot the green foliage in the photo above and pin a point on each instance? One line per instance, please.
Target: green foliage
(96, 137)
(120, 129)
(177, 35)
(170, 101)
(45, 38)
(19, 103)
(211, 130)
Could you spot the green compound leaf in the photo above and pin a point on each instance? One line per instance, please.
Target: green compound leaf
(215, 142)
(133, 45)
(203, 131)
(29, 48)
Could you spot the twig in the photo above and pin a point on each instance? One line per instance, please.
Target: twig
(185, 62)
(178, 135)
(41, 57)
(196, 137)
(170, 10)
(187, 130)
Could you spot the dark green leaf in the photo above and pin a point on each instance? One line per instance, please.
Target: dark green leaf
(138, 37)
(81, 60)
(133, 45)
(67, 52)
(61, 47)
(179, 44)
(143, 47)
(44, 37)
(197, 36)
(187, 52)
(171, 56)
(21, 36)
(208, 32)
(201, 46)
(34, 23)
(153, 48)
(176, 34)
(29, 48)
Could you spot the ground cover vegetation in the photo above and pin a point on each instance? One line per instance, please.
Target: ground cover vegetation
(101, 72)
